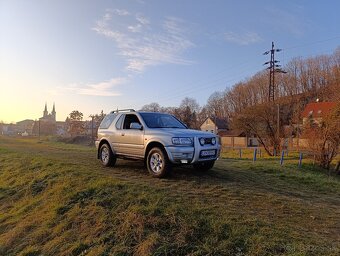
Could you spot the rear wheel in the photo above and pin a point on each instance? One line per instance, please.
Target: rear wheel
(158, 163)
(106, 156)
(204, 166)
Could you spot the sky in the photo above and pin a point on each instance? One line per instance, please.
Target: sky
(103, 55)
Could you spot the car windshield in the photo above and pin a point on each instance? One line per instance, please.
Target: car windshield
(160, 120)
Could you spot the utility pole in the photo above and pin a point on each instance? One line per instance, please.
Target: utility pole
(39, 129)
(92, 132)
(273, 68)
(278, 123)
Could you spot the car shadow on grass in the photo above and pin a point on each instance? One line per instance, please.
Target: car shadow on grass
(186, 172)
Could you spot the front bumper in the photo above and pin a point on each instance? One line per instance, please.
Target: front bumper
(191, 155)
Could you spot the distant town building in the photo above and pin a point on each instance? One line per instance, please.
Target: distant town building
(49, 117)
(61, 128)
(47, 124)
(25, 127)
(314, 112)
(214, 125)
(8, 129)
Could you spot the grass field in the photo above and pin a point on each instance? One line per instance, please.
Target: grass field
(56, 199)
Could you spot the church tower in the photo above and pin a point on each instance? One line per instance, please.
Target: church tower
(45, 113)
(53, 112)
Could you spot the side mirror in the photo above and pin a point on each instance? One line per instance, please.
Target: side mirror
(136, 126)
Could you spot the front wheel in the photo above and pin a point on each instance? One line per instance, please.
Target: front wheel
(204, 166)
(158, 163)
(106, 156)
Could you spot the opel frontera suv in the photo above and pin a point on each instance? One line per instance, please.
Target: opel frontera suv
(159, 139)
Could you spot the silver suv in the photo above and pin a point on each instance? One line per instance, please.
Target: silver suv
(160, 139)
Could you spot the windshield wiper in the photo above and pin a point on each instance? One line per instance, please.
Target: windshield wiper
(174, 127)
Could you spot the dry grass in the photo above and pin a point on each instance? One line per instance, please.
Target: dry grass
(56, 199)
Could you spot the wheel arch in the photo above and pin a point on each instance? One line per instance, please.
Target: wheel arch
(152, 145)
(103, 141)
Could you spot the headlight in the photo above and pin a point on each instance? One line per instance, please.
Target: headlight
(181, 141)
(213, 141)
(202, 141)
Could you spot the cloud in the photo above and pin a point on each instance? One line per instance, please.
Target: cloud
(142, 20)
(99, 89)
(136, 28)
(143, 44)
(242, 39)
(120, 12)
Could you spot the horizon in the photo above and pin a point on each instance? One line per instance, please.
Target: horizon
(102, 56)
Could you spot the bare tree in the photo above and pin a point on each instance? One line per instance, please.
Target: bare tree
(215, 105)
(324, 138)
(261, 121)
(188, 111)
(152, 107)
(75, 123)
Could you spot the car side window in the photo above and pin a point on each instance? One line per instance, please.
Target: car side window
(107, 121)
(130, 118)
(119, 122)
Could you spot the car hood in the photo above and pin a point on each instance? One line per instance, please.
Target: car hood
(179, 132)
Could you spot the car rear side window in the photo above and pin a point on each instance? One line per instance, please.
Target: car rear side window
(107, 121)
(119, 122)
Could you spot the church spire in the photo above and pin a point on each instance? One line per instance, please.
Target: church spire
(45, 111)
(53, 112)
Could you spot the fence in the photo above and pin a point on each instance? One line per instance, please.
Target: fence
(240, 142)
(293, 157)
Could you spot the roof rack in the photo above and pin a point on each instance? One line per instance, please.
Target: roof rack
(123, 110)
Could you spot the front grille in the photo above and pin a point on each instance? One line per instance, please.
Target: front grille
(207, 141)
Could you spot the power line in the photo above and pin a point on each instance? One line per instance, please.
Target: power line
(273, 68)
(200, 86)
(205, 86)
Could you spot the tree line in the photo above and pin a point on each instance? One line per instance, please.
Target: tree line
(306, 80)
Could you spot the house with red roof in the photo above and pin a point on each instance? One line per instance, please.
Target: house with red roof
(314, 112)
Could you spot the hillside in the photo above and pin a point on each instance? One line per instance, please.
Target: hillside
(56, 199)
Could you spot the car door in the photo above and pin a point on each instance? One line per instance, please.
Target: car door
(131, 141)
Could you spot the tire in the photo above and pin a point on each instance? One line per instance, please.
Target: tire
(106, 156)
(204, 166)
(158, 163)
